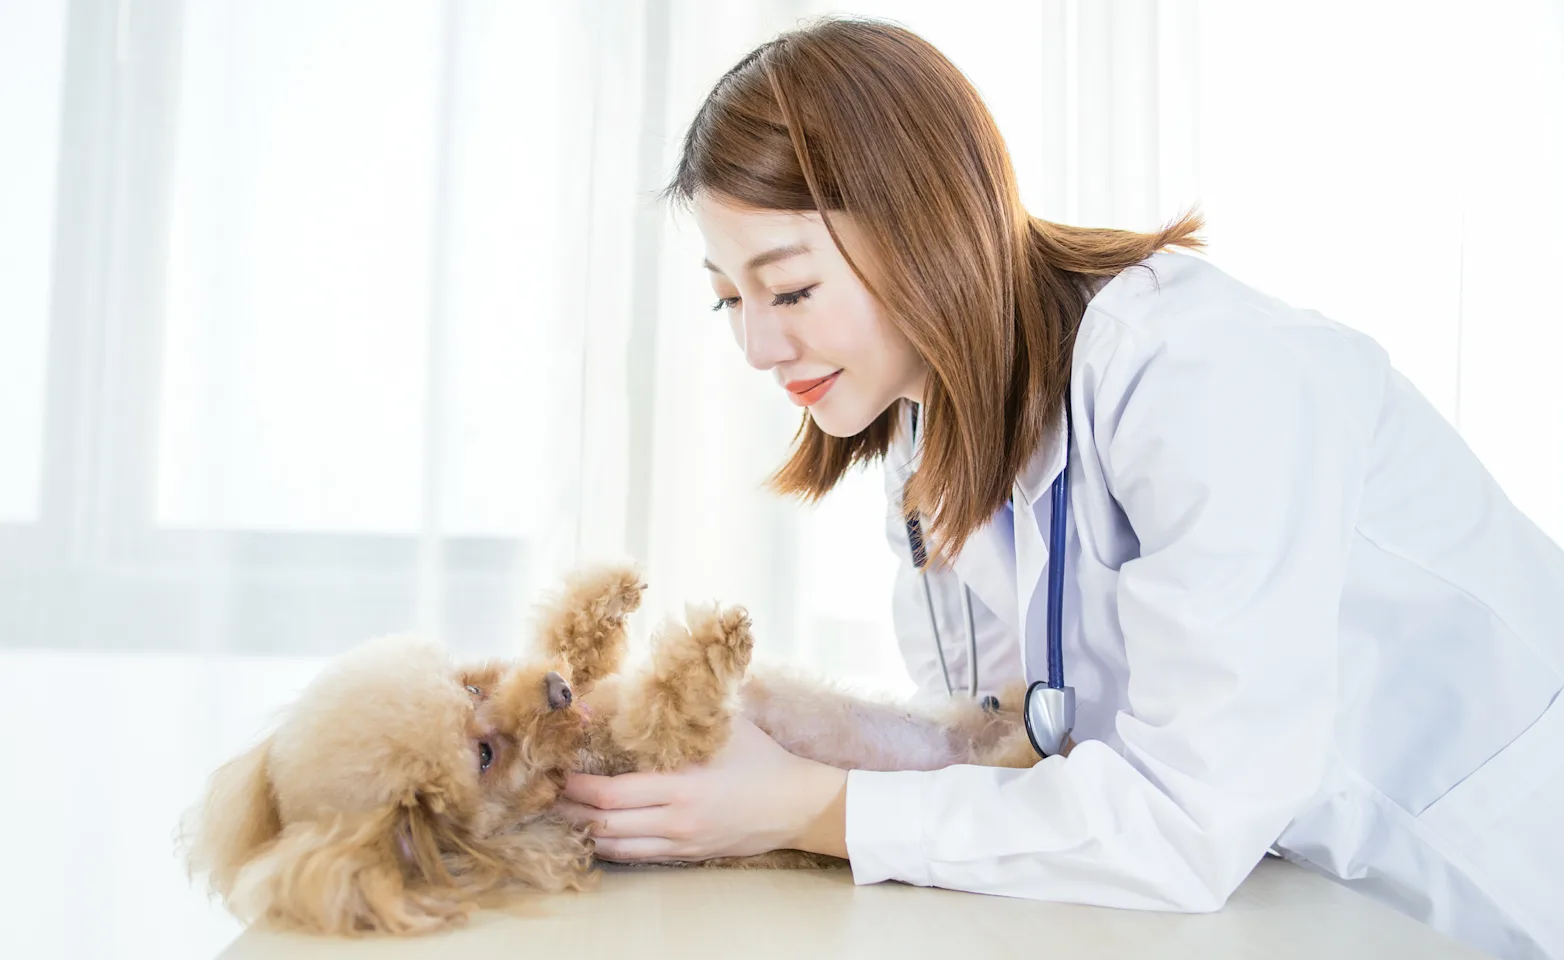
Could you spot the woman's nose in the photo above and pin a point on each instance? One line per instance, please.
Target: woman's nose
(764, 341)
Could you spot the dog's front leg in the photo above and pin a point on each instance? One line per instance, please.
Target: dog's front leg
(680, 708)
(584, 624)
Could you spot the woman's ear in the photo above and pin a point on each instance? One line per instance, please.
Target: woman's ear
(236, 820)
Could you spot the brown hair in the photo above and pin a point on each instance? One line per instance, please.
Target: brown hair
(868, 119)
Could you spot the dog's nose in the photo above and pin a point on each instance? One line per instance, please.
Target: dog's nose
(558, 691)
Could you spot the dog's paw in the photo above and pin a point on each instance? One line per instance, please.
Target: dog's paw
(725, 634)
(585, 622)
(610, 592)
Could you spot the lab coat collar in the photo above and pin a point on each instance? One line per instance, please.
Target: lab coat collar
(1047, 460)
(1036, 476)
(1051, 454)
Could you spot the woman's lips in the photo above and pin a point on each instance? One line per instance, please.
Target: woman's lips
(807, 393)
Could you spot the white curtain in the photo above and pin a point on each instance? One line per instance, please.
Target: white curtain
(321, 319)
(324, 319)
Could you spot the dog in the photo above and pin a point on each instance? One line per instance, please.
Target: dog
(402, 790)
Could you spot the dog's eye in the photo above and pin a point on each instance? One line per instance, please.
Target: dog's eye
(474, 690)
(485, 755)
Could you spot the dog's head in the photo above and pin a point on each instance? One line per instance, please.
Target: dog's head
(396, 791)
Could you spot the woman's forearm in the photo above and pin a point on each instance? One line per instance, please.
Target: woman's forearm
(822, 805)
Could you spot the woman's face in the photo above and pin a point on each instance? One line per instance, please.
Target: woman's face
(799, 312)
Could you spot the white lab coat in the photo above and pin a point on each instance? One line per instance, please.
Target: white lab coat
(1298, 615)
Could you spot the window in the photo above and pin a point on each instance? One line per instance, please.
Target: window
(32, 50)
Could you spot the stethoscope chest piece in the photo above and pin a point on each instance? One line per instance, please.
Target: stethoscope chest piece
(1049, 713)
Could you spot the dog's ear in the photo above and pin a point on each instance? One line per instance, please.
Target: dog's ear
(404, 869)
(371, 873)
(407, 870)
(348, 876)
(235, 821)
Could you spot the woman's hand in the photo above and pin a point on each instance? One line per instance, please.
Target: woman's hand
(752, 797)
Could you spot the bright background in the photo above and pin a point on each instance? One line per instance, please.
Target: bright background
(321, 319)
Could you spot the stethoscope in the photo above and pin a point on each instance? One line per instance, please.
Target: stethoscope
(1049, 710)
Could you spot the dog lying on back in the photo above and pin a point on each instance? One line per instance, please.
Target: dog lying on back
(401, 789)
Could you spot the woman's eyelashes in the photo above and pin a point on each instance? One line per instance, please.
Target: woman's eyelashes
(792, 299)
(789, 299)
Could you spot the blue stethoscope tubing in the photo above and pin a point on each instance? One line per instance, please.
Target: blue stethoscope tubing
(1049, 710)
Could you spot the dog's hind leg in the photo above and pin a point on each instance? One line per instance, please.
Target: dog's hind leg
(680, 708)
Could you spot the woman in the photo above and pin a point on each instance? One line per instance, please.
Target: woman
(1297, 613)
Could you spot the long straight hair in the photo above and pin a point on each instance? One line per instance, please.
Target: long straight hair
(865, 118)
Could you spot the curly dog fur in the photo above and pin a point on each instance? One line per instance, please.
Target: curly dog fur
(401, 788)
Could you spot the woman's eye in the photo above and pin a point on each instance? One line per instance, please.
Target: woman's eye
(792, 299)
(485, 755)
(789, 299)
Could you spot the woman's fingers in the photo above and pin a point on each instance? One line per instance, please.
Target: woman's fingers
(619, 793)
(637, 850)
(632, 806)
(659, 822)
(578, 814)
(749, 797)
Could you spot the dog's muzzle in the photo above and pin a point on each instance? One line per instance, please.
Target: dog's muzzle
(559, 695)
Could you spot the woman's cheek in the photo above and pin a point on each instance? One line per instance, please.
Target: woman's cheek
(736, 328)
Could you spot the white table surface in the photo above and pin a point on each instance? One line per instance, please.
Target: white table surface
(1281, 912)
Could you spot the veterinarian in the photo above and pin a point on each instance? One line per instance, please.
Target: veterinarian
(1296, 613)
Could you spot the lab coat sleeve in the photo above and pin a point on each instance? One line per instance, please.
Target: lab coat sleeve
(1239, 475)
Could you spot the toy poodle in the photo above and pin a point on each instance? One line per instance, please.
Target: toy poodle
(402, 789)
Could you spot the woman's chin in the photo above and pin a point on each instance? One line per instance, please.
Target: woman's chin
(841, 420)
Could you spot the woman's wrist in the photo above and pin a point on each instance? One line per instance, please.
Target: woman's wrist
(822, 804)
